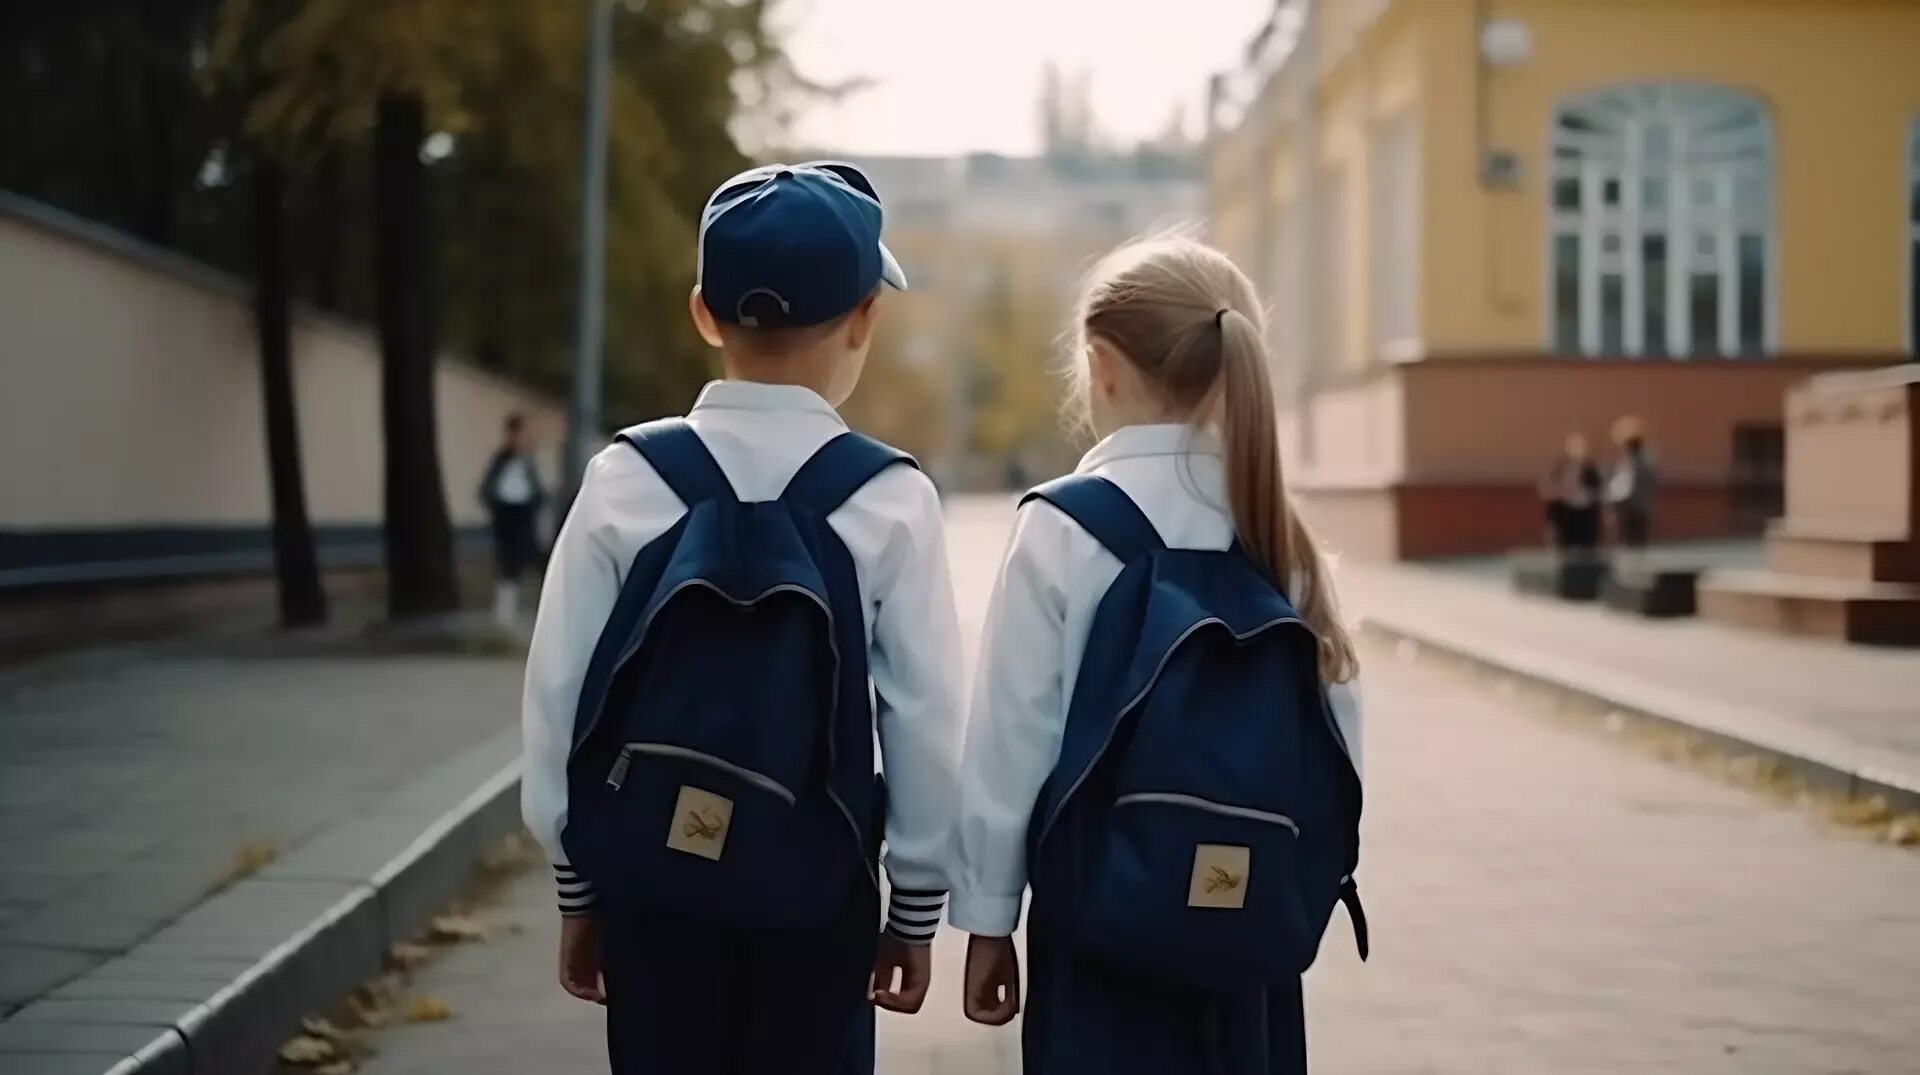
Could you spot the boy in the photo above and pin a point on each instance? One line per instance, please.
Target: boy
(513, 495)
(680, 950)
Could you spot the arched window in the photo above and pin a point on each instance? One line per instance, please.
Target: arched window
(1661, 210)
(1913, 241)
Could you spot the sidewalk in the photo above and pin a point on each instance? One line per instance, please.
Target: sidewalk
(1845, 717)
(1541, 901)
(173, 816)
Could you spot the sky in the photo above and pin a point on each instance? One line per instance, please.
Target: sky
(954, 76)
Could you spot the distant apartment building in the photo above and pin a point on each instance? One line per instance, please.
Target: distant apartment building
(1484, 224)
(994, 247)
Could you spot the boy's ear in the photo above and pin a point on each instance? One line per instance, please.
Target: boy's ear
(861, 322)
(703, 321)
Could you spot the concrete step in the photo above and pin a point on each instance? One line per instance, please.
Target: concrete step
(1812, 606)
(1790, 553)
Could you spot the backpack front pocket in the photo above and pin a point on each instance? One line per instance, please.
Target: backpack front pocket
(707, 838)
(1194, 892)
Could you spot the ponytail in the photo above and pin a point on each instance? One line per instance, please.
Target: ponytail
(1270, 530)
(1189, 321)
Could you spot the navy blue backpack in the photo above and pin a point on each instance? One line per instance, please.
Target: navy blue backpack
(1203, 818)
(722, 764)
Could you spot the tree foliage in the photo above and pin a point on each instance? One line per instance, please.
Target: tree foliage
(169, 90)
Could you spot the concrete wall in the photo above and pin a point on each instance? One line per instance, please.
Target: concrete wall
(130, 394)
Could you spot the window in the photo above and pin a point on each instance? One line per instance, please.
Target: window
(1566, 293)
(1660, 206)
(1913, 241)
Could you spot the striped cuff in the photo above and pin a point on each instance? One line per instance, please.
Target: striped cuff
(576, 892)
(913, 915)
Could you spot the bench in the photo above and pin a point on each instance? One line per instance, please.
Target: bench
(1569, 576)
(1652, 590)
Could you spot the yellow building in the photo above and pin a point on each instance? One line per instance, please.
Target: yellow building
(1485, 224)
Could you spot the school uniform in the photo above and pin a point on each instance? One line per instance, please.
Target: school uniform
(1080, 1020)
(513, 495)
(789, 1000)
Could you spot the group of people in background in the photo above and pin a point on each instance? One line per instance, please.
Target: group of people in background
(1579, 500)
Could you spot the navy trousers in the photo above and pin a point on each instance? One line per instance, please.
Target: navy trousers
(685, 998)
(1082, 1019)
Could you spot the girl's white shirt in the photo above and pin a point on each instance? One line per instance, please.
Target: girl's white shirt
(1050, 584)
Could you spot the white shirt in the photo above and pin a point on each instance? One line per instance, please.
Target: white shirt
(1042, 609)
(760, 434)
(515, 484)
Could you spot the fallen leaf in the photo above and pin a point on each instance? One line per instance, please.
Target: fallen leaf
(407, 956)
(512, 853)
(248, 859)
(1869, 811)
(1904, 831)
(427, 1009)
(307, 1049)
(376, 1018)
(315, 1026)
(453, 929)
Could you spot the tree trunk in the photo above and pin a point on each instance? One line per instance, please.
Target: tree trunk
(302, 601)
(420, 575)
(330, 214)
(163, 86)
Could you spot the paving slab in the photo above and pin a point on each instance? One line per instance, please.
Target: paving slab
(28, 971)
(34, 1037)
(371, 782)
(102, 1012)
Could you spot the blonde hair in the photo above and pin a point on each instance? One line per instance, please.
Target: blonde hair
(1187, 319)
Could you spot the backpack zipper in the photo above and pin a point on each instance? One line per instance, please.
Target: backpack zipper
(1169, 798)
(833, 698)
(618, 774)
(1132, 703)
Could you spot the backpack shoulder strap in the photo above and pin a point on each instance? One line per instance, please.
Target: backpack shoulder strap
(839, 469)
(1104, 510)
(676, 453)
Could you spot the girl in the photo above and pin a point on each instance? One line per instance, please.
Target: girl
(1169, 368)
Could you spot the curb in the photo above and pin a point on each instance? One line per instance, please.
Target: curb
(1818, 769)
(290, 940)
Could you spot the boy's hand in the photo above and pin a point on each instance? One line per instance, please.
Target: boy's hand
(580, 958)
(993, 980)
(913, 962)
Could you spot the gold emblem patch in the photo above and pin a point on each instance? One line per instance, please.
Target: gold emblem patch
(1219, 877)
(700, 822)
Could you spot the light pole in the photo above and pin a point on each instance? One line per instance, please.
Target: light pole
(583, 415)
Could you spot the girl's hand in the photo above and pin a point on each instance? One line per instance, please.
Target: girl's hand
(580, 958)
(914, 965)
(993, 980)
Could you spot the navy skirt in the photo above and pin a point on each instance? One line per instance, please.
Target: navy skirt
(1084, 1020)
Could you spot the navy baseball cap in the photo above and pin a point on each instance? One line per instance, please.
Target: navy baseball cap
(791, 245)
